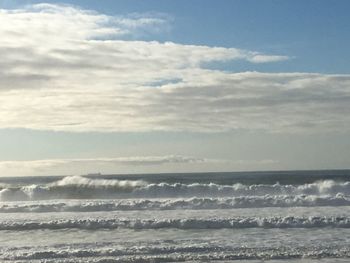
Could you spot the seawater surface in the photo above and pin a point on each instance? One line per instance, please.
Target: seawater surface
(295, 216)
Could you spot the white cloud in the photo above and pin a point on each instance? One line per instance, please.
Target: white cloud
(128, 165)
(83, 166)
(257, 162)
(203, 101)
(259, 58)
(49, 25)
(67, 69)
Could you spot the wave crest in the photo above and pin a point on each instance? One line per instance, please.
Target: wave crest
(192, 223)
(77, 187)
(71, 187)
(172, 204)
(177, 253)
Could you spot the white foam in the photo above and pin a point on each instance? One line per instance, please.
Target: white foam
(327, 187)
(197, 253)
(77, 187)
(192, 223)
(172, 204)
(83, 182)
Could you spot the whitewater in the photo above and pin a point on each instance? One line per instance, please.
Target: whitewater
(298, 216)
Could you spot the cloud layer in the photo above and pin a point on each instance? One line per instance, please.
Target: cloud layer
(105, 165)
(130, 164)
(68, 69)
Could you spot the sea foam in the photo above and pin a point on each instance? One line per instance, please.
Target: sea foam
(177, 253)
(77, 187)
(175, 203)
(191, 223)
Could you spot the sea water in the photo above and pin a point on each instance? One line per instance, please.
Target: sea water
(295, 216)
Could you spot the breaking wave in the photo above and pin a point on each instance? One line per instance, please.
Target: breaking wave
(77, 187)
(179, 253)
(172, 204)
(195, 223)
(71, 187)
(327, 187)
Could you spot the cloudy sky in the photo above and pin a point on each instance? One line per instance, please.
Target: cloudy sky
(173, 86)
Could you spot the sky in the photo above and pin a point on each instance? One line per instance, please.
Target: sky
(173, 86)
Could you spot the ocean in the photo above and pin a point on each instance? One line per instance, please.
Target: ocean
(287, 216)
